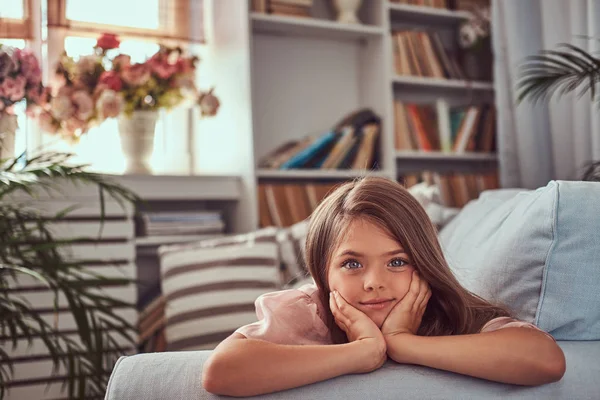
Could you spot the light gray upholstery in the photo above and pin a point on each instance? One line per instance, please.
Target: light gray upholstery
(176, 376)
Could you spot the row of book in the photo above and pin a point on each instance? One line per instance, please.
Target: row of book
(180, 223)
(424, 3)
(461, 5)
(151, 327)
(348, 148)
(420, 53)
(455, 189)
(439, 127)
(296, 8)
(284, 204)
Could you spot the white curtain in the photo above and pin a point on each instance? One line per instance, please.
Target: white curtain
(543, 141)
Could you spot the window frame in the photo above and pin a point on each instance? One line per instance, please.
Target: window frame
(12, 28)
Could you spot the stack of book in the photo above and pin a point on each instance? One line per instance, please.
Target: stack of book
(441, 128)
(348, 148)
(151, 327)
(296, 8)
(423, 54)
(424, 3)
(181, 223)
(283, 205)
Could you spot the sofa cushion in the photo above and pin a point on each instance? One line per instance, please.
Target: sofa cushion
(210, 286)
(538, 252)
(291, 246)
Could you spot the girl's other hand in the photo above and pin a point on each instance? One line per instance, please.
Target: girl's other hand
(359, 328)
(406, 316)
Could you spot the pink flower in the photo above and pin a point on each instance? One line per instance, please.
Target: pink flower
(121, 61)
(108, 41)
(162, 68)
(209, 104)
(46, 122)
(109, 104)
(84, 105)
(30, 67)
(185, 65)
(14, 89)
(61, 107)
(111, 80)
(136, 74)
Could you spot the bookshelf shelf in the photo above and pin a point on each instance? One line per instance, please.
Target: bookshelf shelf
(316, 174)
(436, 83)
(426, 15)
(171, 239)
(311, 27)
(441, 156)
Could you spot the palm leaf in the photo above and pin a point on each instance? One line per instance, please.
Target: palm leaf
(558, 72)
(28, 246)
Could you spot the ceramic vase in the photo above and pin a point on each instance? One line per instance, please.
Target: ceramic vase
(137, 140)
(347, 10)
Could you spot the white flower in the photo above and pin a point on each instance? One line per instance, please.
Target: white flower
(467, 36)
(61, 108)
(84, 104)
(109, 105)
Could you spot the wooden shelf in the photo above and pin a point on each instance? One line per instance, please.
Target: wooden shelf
(426, 15)
(167, 239)
(437, 83)
(312, 27)
(316, 174)
(441, 156)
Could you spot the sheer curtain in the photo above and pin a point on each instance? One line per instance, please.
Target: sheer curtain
(556, 140)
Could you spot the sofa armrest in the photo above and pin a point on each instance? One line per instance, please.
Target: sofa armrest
(177, 375)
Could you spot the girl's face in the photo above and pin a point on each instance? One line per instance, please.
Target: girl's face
(370, 270)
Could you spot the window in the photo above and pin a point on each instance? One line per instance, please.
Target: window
(14, 19)
(141, 25)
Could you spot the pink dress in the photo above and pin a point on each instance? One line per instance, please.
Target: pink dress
(297, 316)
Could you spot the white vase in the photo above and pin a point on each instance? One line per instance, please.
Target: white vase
(347, 10)
(8, 130)
(137, 140)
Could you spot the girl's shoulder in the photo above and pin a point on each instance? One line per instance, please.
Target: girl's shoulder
(291, 316)
(509, 322)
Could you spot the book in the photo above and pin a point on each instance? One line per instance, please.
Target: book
(304, 157)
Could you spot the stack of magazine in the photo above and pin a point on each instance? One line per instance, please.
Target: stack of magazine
(181, 223)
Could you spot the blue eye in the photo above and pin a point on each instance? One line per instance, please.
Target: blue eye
(351, 264)
(398, 262)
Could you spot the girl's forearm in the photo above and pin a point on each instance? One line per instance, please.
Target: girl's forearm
(247, 367)
(511, 355)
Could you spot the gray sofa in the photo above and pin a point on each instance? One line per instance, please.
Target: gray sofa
(536, 251)
(176, 376)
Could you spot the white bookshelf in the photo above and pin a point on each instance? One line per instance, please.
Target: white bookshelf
(418, 82)
(426, 15)
(317, 174)
(308, 27)
(441, 156)
(282, 78)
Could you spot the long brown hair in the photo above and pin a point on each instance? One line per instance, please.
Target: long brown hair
(452, 310)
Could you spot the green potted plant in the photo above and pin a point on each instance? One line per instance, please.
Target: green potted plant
(28, 246)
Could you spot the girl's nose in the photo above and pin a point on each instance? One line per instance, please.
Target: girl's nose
(374, 279)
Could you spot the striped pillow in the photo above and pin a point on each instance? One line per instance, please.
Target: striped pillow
(210, 286)
(291, 246)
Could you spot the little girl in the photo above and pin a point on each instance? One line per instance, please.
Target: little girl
(383, 289)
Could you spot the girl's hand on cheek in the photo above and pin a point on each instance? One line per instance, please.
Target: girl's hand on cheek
(406, 316)
(359, 328)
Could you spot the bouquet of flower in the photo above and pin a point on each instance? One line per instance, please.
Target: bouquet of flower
(20, 79)
(476, 29)
(72, 109)
(166, 80)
